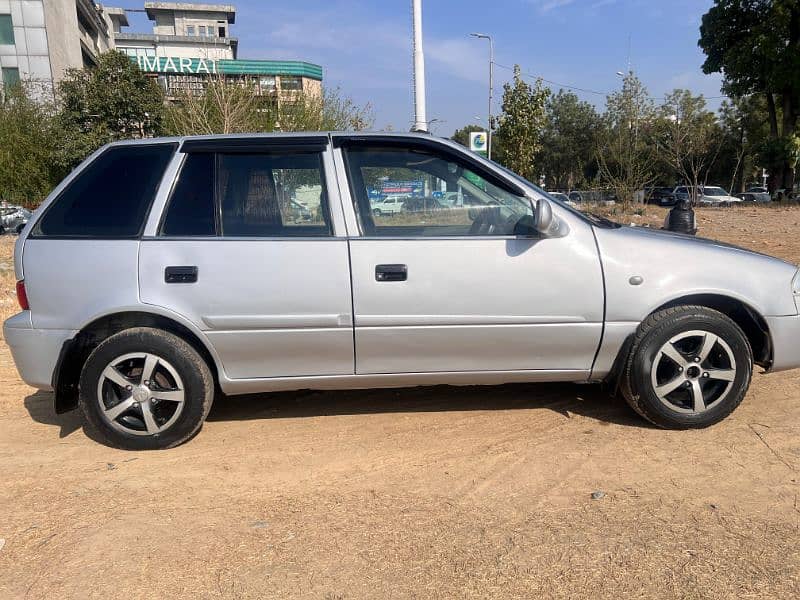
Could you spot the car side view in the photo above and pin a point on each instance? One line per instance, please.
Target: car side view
(163, 270)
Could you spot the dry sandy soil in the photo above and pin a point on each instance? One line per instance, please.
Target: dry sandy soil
(422, 493)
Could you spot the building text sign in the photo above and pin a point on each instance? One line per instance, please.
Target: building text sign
(171, 64)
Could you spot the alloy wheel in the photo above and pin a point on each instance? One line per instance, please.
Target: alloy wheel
(140, 394)
(693, 372)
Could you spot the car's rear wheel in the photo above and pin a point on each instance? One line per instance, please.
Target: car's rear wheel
(689, 367)
(145, 389)
(377, 212)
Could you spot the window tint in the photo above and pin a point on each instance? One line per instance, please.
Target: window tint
(191, 208)
(272, 195)
(258, 195)
(111, 196)
(404, 192)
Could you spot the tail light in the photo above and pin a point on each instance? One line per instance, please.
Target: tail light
(22, 296)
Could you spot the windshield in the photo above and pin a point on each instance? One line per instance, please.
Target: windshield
(714, 191)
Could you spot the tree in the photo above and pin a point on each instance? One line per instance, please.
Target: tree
(29, 140)
(567, 157)
(743, 122)
(112, 101)
(521, 124)
(226, 106)
(688, 137)
(625, 152)
(755, 44)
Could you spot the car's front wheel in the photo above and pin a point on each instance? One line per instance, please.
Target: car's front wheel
(689, 367)
(145, 389)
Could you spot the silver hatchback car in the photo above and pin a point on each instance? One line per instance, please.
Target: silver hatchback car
(163, 270)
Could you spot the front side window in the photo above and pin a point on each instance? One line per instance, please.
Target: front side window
(110, 198)
(6, 30)
(249, 195)
(408, 192)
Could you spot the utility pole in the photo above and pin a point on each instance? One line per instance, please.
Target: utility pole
(420, 116)
(483, 36)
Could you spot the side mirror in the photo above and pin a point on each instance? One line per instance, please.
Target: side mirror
(543, 216)
(547, 224)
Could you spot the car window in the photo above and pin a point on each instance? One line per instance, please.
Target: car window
(191, 208)
(477, 207)
(110, 198)
(714, 191)
(250, 195)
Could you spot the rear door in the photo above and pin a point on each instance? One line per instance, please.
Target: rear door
(249, 250)
(465, 288)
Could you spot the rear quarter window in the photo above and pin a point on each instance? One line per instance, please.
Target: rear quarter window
(111, 197)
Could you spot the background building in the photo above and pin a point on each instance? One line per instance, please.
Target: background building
(41, 39)
(190, 43)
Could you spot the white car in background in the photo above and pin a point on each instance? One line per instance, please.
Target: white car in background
(391, 205)
(707, 196)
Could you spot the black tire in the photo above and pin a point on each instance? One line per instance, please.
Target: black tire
(377, 212)
(197, 385)
(652, 335)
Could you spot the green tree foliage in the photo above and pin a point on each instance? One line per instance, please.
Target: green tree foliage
(755, 44)
(626, 152)
(688, 137)
(521, 124)
(567, 156)
(114, 100)
(744, 134)
(30, 137)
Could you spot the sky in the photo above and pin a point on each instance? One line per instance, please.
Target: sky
(364, 47)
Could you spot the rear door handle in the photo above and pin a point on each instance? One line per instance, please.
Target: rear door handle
(180, 274)
(391, 273)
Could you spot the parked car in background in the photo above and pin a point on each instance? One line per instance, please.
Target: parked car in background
(755, 195)
(145, 285)
(391, 205)
(662, 196)
(424, 204)
(706, 196)
(563, 198)
(601, 197)
(13, 218)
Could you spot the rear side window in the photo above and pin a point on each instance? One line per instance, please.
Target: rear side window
(272, 194)
(110, 198)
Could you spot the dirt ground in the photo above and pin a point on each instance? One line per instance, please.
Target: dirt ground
(420, 493)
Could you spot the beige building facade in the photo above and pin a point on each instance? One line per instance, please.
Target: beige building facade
(189, 43)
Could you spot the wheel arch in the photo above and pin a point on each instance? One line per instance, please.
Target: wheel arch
(75, 351)
(748, 319)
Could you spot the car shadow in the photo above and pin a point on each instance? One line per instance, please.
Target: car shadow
(592, 401)
(40, 408)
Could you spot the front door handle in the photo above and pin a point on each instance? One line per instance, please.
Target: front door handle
(180, 275)
(391, 273)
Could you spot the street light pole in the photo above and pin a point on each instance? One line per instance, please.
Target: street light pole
(483, 36)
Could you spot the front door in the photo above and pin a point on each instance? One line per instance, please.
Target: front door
(246, 251)
(457, 281)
